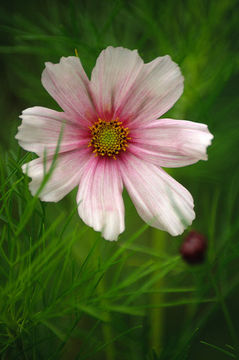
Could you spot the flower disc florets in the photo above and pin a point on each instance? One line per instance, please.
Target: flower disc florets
(108, 137)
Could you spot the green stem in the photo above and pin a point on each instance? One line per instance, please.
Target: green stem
(106, 326)
(107, 331)
(157, 314)
(20, 347)
(226, 314)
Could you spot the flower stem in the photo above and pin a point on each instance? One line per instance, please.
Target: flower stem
(226, 313)
(106, 327)
(157, 313)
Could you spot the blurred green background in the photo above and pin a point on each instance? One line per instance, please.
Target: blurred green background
(65, 292)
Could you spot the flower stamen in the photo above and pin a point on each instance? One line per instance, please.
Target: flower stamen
(108, 138)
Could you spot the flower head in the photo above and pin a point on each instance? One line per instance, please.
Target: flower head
(112, 137)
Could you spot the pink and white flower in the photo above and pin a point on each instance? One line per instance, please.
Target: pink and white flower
(112, 138)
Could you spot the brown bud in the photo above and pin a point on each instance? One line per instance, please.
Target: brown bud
(193, 248)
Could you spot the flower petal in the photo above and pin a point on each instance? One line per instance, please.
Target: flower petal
(171, 143)
(159, 199)
(66, 174)
(100, 198)
(112, 77)
(41, 128)
(68, 84)
(155, 91)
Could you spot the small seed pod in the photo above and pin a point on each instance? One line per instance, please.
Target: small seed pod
(193, 248)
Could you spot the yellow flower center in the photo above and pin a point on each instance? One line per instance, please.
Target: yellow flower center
(108, 138)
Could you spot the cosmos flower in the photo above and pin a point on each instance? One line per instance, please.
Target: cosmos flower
(112, 137)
